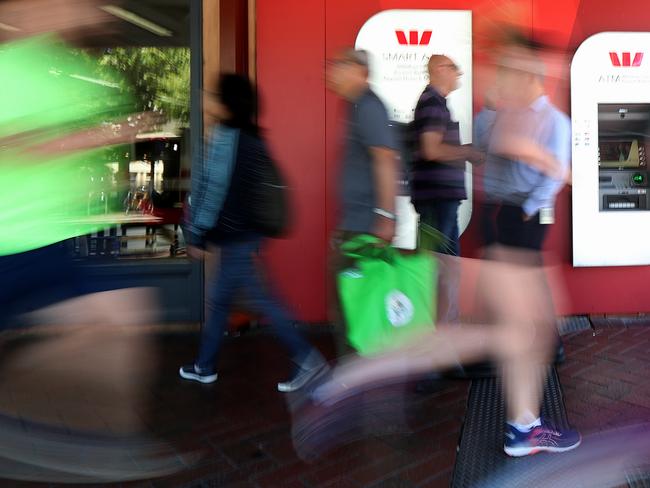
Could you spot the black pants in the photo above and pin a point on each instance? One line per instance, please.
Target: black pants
(505, 224)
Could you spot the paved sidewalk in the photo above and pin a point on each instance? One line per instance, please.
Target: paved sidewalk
(605, 377)
(241, 423)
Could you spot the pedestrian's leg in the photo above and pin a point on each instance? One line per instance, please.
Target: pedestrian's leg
(524, 375)
(446, 221)
(525, 366)
(526, 321)
(449, 277)
(281, 320)
(529, 313)
(226, 280)
(532, 339)
(307, 359)
(433, 351)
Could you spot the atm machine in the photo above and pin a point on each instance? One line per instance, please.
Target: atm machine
(610, 112)
(622, 165)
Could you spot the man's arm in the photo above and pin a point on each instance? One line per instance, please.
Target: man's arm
(433, 149)
(431, 119)
(510, 141)
(526, 150)
(378, 136)
(385, 166)
(559, 148)
(209, 193)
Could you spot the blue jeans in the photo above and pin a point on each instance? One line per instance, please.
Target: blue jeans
(238, 271)
(443, 216)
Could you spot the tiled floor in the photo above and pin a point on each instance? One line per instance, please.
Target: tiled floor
(125, 382)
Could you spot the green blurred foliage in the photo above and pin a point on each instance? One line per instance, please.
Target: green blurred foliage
(156, 78)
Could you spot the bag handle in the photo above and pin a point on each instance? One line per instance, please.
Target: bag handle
(366, 246)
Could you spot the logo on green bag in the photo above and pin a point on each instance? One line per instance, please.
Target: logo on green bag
(398, 308)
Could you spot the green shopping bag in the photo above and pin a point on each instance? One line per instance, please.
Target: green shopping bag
(387, 297)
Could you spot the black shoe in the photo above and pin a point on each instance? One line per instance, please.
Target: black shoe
(192, 372)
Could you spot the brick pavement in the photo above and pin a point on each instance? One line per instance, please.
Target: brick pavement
(605, 377)
(241, 424)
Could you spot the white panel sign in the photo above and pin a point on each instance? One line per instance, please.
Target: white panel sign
(610, 110)
(400, 43)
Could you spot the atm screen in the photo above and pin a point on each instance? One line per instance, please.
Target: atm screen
(620, 153)
(614, 151)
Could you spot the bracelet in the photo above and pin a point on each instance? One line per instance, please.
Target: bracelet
(385, 213)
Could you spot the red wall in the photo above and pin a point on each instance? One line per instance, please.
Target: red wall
(294, 37)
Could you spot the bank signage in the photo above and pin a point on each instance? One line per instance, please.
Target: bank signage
(400, 43)
(414, 38)
(625, 59)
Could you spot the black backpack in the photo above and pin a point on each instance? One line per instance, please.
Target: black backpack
(258, 198)
(268, 204)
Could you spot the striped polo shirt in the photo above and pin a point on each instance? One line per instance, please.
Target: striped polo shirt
(435, 180)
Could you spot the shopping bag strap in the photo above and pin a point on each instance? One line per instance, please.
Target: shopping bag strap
(366, 246)
(431, 239)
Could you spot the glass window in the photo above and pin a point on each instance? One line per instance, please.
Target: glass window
(142, 186)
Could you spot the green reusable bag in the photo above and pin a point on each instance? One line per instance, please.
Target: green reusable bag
(387, 297)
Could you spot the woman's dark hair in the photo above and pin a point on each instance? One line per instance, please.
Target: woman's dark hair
(237, 94)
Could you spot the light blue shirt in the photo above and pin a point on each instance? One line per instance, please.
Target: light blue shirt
(517, 183)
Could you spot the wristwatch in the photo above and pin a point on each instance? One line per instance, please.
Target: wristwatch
(385, 213)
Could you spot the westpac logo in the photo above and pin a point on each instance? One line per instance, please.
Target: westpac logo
(625, 59)
(414, 38)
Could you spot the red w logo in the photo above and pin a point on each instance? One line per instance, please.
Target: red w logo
(414, 39)
(625, 61)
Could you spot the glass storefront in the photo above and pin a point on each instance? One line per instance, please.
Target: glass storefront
(142, 186)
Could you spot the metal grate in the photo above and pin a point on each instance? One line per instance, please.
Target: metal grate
(568, 325)
(480, 452)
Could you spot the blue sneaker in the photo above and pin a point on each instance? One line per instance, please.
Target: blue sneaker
(544, 438)
(194, 373)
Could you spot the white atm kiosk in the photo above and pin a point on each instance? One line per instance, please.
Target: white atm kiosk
(610, 111)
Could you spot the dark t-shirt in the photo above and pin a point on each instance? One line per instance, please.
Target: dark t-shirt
(367, 126)
(435, 180)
